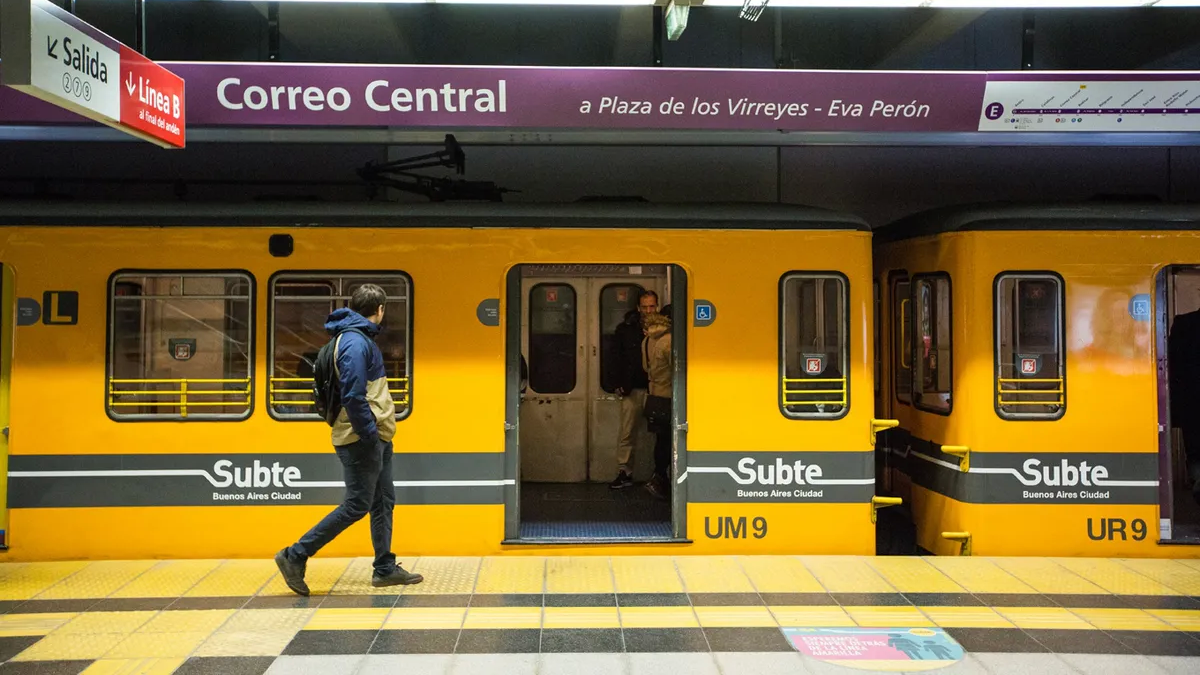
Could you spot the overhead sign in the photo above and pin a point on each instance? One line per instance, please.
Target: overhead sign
(265, 95)
(52, 55)
(1091, 102)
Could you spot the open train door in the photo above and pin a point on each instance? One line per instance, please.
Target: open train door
(7, 323)
(1177, 353)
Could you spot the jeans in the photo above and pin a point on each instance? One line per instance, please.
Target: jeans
(631, 411)
(367, 467)
(662, 456)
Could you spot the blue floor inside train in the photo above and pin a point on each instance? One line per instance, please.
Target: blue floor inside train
(592, 511)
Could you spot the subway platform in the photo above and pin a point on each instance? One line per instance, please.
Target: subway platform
(580, 615)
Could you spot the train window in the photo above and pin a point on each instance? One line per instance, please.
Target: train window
(180, 346)
(300, 305)
(902, 339)
(1030, 373)
(933, 360)
(814, 347)
(616, 300)
(552, 338)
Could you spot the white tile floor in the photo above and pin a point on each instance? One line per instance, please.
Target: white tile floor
(775, 663)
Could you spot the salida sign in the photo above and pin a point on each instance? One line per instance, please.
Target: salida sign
(49, 53)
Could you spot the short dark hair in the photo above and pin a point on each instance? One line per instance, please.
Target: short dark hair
(367, 299)
(645, 293)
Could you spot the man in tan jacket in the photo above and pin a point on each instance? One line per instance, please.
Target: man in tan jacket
(656, 359)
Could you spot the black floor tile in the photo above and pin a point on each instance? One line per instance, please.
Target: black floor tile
(597, 640)
(1161, 601)
(308, 642)
(284, 602)
(433, 601)
(437, 641)
(1015, 600)
(132, 604)
(1085, 601)
(727, 599)
(499, 641)
(53, 606)
(11, 646)
(944, 599)
(44, 667)
(226, 665)
(1157, 642)
(506, 600)
(581, 600)
(747, 640)
(1070, 641)
(347, 601)
(653, 599)
(870, 599)
(230, 602)
(786, 599)
(665, 640)
(995, 640)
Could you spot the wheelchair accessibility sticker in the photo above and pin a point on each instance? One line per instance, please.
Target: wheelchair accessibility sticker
(880, 649)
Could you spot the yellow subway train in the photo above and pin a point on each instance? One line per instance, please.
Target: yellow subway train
(1026, 352)
(156, 363)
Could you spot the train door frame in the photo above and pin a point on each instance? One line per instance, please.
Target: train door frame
(1164, 314)
(7, 334)
(513, 310)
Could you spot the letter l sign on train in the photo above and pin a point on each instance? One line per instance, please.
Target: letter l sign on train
(49, 53)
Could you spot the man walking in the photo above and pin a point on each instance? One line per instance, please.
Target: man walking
(362, 437)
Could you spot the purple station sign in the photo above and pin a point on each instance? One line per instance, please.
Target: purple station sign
(473, 97)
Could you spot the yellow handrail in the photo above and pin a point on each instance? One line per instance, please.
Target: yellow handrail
(273, 390)
(1013, 389)
(182, 393)
(802, 391)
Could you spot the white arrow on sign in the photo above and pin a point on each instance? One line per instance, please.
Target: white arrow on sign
(129, 85)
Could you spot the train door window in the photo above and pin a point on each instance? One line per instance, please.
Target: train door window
(814, 346)
(300, 305)
(902, 339)
(180, 346)
(616, 300)
(1030, 374)
(552, 337)
(933, 367)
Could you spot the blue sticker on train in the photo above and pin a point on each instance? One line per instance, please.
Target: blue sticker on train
(1139, 307)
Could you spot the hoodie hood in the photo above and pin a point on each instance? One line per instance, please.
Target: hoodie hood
(656, 325)
(345, 318)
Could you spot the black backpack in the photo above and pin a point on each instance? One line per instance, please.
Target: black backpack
(327, 390)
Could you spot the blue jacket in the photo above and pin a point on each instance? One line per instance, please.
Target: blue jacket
(367, 406)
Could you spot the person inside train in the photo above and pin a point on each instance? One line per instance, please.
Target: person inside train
(362, 438)
(656, 359)
(632, 383)
(1183, 363)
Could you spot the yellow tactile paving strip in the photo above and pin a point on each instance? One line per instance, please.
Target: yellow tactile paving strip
(138, 640)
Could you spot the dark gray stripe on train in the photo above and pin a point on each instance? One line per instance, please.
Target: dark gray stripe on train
(236, 480)
(785, 477)
(1028, 477)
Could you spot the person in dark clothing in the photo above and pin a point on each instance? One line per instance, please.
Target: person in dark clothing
(632, 384)
(658, 362)
(1183, 354)
(362, 437)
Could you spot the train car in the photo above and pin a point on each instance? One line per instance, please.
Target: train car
(157, 368)
(1027, 352)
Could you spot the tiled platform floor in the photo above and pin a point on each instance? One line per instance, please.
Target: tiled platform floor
(684, 614)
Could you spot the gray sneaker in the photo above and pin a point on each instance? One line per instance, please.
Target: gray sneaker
(293, 573)
(397, 577)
